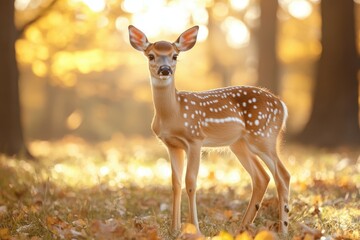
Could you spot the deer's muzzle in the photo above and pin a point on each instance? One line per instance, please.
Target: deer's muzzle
(164, 71)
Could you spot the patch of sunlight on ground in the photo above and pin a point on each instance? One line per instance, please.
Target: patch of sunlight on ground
(126, 180)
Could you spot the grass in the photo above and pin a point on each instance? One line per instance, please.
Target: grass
(121, 190)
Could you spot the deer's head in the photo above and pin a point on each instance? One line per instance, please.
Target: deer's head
(162, 55)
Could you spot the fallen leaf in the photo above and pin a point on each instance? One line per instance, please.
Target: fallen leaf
(223, 236)
(228, 213)
(150, 233)
(265, 235)
(141, 222)
(190, 236)
(110, 229)
(51, 220)
(4, 233)
(244, 236)
(309, 237)
(80, 223)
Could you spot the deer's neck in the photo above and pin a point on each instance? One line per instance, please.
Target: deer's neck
(165, 98)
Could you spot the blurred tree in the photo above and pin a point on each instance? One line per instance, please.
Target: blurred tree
(11, 136)
(334, 118)
(267, 35)
(217, 64)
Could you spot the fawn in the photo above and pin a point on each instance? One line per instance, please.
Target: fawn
(247, 119)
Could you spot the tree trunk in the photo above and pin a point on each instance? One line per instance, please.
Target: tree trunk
(11, 136)
(267, 38)
(334, 118)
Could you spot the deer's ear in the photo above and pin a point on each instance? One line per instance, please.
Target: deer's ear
(187, 39)
(138, 39)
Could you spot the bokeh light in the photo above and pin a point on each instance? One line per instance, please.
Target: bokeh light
(95, 5)
(300, 9)
(239, 5)
(237, 34)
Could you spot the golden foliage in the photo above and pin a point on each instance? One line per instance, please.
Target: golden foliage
(244, 236)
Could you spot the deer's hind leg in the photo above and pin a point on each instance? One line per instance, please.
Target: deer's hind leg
(268, 153)
(259, 178)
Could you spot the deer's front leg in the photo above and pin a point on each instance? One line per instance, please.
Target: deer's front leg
(177, 164)
(193, 157)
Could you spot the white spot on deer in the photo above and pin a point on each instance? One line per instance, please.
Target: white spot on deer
(185, 115)
(224, 120)
(257, 122)
(186, 124)
(186, 107)
(244, 104)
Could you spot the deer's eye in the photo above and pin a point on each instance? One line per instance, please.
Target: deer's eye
(151, 57)
(175, 57)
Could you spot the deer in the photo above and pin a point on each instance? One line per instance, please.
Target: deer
(248, 119)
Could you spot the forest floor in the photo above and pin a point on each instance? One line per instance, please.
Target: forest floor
(121, 189)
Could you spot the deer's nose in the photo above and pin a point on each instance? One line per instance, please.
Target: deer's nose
(164, 70)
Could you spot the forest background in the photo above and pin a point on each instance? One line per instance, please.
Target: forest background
(71, 84)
